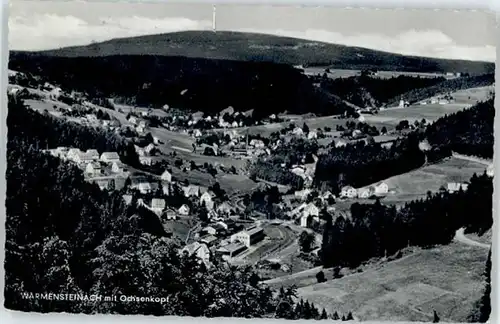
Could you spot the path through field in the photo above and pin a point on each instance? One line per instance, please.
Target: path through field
(460, 237)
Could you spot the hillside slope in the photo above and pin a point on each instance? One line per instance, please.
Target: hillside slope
(189, 83)
(239, 46)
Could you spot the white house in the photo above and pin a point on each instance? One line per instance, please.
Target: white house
(139, 150)
(128, 199)
(72, 154)
(304, 220)
(310, 210)
(365, 193)
(302, 194)
(490, 171)
(93, 154)
(200, 250)
(257, 143)
(55, 93)
(210, 230)
(191, 190)
(83, 158)
(206, 200)
(133, 120)
(348, 192)
(197, 133)
(224, 208)
(145, 160)
(110, 157)
(166, 176)
(454, 186)
(312, 135)
(184, 210)
(298, 131)
(118, 167)
(382, 189)
(93, 169)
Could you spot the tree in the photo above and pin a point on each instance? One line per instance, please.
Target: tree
(349, 316)
(383, 130)
(324, 315)
(305, 128)
(436, 317)
(306, 241)
(320, 276)
(335, 316)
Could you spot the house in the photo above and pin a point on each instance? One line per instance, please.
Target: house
(224, 208)
(140, 151)
(305, 220)
(170, 214)
(223, 225)
(148, 149)
(257, 143)
(118, 167)
(166, 189)
(83, 158)
(93, 169)
(300, 171)
(209, 230)
(249, 236)
(146, 160)
(200, 250)
(143, 187)
(382, 189)
(156, 140)
(55, 93)
(133, 120)
(298, 131)
(127, 199)
(234, 124)
(312, 135)
(490, 171)
(454, 186)
(302, 194)
(348, 192)
(166, 176)
(72, 154)
(93, 154)
(110, 157)
(340, 143)
(206, 200)
(191, 191)
(231, 250)
(310, 210)
(197, 133)
(209, 240)
(366, 193)
(103, 183)
(157, 203)
(184, 210)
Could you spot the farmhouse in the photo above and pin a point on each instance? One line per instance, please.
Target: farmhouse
(146, 160)
(140, 151)
(166, 176)
(382, 189)
(224, 208)
(110, 157)
(455, 186)
(118, 167)
(157, 205)
(348, 192)
(366, 192)
(93, 154)
(127, 199)
(184, 210)
(93, 169)
(201, 251)
(83, 157)
(302, 194)
(231, 250)
(191, 191)
(490, 171)
(143, 187)
(148, 149)
(206, 200)
(249, 236)
(170, 214)
(298, 131)
(209, 240)
(310, 210)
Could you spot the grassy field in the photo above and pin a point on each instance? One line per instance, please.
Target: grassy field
(341, 73)
(473, 95)
(446, 278)
(415, 184)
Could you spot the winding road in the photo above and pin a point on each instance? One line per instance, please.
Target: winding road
(460, 237)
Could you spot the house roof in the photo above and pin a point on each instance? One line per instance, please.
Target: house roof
(254, 230)
(232, 247)
(110, 155)
(208, 238)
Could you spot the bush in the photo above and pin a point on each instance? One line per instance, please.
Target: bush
(320, 276)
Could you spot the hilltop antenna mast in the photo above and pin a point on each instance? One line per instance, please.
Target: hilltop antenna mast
(214, 25)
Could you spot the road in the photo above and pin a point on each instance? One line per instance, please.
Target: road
(472, 158)
(460, 237)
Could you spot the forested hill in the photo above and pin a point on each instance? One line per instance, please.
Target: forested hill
(181, 82)
(240, 46)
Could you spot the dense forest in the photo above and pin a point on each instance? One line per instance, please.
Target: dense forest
(64, 235)
(242, 46)
(469, 132)
(366, 91)
(444, 87)
(376, 230)
(188, 83)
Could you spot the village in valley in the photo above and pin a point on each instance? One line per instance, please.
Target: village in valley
(206, 160)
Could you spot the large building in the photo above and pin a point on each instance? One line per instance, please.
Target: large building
(249, 236)
(231, 250)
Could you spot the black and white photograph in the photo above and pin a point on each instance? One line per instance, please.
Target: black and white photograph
(250, 161)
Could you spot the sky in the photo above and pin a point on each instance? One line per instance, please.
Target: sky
(45, 24)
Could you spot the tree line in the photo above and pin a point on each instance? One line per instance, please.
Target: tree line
(183, 82)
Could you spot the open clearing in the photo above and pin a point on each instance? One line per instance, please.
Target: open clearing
(445, 278)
